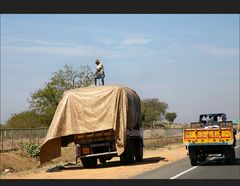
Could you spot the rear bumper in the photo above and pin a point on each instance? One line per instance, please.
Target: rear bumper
(114, 153)
(208, 144)
(104, 148)
(210, 149)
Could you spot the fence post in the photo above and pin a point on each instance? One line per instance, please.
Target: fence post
(30, 137)
(12, 138)
(38, 135)
(2, 133)
(21, 136)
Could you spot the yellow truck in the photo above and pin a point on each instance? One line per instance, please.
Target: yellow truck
(212, 134)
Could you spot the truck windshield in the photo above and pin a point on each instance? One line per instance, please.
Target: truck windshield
(212, 119)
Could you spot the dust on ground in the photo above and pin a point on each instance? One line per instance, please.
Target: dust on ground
(113, 169)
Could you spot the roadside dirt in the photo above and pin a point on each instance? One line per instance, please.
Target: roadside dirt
(111, 170)
(28, 168)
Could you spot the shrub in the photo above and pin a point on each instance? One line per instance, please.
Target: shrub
(32, 149)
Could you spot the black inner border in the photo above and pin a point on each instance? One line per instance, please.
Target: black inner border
(119, 6)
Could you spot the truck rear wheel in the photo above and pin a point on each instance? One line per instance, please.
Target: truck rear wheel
(138, 153)
(90, 162)
(138, 149)
(127, 156)
(193, 156)
(229, 153)
(85, 162)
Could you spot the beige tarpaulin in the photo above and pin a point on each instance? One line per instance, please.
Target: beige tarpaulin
(91, 109)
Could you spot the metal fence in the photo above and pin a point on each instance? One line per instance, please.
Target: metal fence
(163, 132)
(12, 138)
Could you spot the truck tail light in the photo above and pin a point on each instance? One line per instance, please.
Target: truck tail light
(85, 150)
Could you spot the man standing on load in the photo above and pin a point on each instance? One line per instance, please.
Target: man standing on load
(99, 74)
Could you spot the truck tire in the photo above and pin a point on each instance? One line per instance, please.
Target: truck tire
(138, 153)
(229, 153)
(85, 162)
(138, 149)
(233, 151)
(90, 162)
(193, 156)
(127, 156)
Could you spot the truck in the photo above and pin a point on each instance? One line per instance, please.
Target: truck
(101, 146)
(102, 121)
(211, 135)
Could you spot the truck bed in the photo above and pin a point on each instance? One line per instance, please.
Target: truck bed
(105, 135)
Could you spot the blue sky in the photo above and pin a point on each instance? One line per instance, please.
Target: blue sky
(190, 61)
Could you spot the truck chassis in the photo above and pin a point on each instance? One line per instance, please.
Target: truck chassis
(101, 146)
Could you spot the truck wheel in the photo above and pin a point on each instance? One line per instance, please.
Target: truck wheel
(233, 151)
(85, 162)
(138, 149)
(89, 162)
(138, 153)
(193, 162)
(229, 154)
(127, 156)
(92, 162)
(122, 158)
(193, 156)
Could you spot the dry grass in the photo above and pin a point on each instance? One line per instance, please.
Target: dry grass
(161, 142)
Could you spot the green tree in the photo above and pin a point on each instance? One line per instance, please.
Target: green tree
(26, 119)
(69, 78)
(45, 100)
(170, 116)
(153, 109)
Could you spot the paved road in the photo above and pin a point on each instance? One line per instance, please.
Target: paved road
(213, 168)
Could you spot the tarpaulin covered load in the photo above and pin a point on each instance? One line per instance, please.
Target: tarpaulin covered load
(92, 109)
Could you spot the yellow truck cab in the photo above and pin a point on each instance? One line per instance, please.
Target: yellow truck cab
(212, 134)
